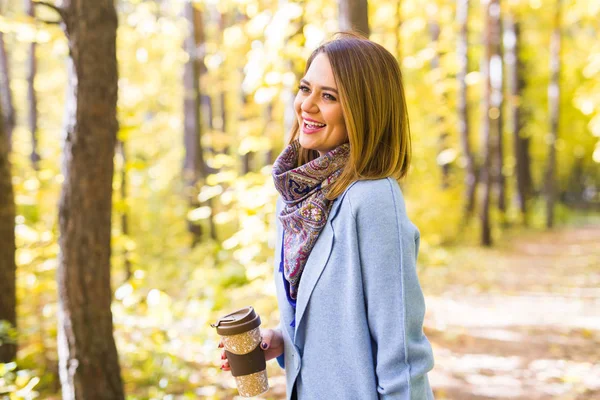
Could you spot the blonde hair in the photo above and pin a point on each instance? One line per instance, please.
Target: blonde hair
(371, 94)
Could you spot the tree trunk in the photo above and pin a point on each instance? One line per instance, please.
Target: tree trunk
(496, 105)
(434, 31)
(462, 15)
(207, 110)
(247, 161)
(31, 95)
(516, 74)
(194, 168)
(554, 111)
(354, 16)
(576, 183)
(9, 115)
(8, 267)
(223, 117)
(88, 360)
(486, 125)
(268, 120)
(194, 161)
(124, 212)
(223, 111)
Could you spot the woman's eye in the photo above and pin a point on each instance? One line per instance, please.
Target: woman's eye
(329, 97)
(303, 88)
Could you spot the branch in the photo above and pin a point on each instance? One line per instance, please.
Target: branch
(49, 22)
(59, 10)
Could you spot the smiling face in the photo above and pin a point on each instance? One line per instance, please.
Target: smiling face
(318, 108)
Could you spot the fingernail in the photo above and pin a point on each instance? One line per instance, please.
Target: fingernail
(264, 345)
(223, 356)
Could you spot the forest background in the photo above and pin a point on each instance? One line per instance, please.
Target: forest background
(504, 107)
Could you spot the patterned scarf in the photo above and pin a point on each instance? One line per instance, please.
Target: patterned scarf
(306, 208)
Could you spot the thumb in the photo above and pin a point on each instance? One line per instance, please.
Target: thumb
(267, 336)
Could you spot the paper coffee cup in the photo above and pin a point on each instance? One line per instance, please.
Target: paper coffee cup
(241, 339)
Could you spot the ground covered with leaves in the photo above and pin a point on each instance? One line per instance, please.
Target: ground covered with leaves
(521, 321)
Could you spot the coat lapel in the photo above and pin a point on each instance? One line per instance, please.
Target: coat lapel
(316, 261)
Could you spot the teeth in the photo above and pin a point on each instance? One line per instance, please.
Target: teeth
(314, 124)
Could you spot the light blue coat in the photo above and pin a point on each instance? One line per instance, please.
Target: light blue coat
(360, 308)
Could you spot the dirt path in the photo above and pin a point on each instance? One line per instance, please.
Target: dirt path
(518, 322)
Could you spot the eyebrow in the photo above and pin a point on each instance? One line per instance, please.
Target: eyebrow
(322, 87)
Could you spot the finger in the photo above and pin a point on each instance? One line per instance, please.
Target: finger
(223, 356)
(267, 336)
(221, 343)
(225, 366)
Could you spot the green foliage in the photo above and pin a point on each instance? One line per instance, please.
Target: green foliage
(8, 334)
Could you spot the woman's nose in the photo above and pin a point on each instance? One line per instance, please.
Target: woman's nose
(309, 105)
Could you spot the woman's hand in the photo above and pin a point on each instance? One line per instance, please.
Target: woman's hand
(272, 345)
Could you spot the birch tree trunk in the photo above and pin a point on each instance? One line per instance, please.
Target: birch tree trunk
(8, 267)
(554, 111)
(462, 16)
(496, 103)
(354, 16)
(88, 361)
(486, 126)
(32, 117)
(516, 81)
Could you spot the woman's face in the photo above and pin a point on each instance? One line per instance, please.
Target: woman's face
(318, 108)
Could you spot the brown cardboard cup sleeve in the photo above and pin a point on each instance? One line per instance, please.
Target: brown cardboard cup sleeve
(246, 364)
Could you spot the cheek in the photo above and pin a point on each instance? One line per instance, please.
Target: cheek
(338, 117)
(297, 105)
(341, 133)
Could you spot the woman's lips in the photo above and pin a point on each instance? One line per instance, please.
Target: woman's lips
(311, 129)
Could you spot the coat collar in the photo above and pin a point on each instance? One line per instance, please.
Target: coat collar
(317, 260)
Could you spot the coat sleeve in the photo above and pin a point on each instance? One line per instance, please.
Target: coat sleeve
(388, 245)
(281, 360)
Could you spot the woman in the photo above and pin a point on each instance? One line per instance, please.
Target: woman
(350, 303)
